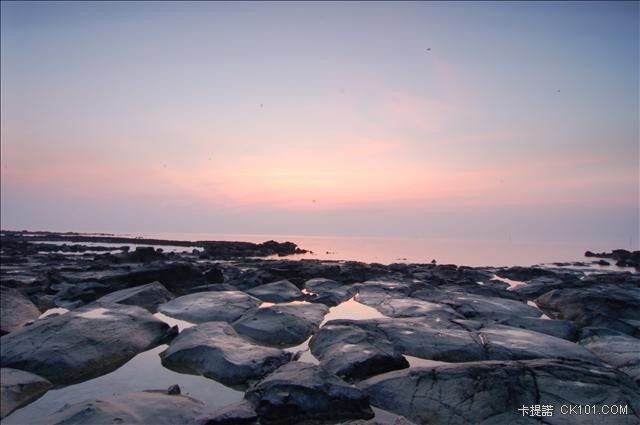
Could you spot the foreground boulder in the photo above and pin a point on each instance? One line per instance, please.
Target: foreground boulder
(18, 388)
(492, 392)
(301, 393)
(16, 310)
(615, 348)
(354, 353)
(147, 296)
(146, 407)
(277, 292)
(281, 325)
(211, 306)
(82, 343)
(216, 351)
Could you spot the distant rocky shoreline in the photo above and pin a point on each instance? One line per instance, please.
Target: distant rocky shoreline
(442, 344)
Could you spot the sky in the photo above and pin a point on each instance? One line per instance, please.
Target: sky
(446, 120)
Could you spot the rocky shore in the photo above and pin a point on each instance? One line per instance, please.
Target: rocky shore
(310, 341)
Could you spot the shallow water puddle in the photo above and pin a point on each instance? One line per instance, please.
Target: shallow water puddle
(181, 324)
(353, 310)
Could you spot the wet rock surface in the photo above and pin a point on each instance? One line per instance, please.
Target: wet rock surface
(354, 353)
(18, 388)
(300, 392)
(211, 306)
(487, 339)
(277, 292)
(216, 351)
(147, 296)
(83, 343)
(281, 325)
(492, 392)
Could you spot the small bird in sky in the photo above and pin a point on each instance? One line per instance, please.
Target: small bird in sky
(428, 49)
(261, 105)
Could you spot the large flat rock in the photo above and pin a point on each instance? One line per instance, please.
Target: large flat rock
(18, 388)
(143, 408)
(210, 306)
(16, 310)
(477, 306)
(216, 351)
(277, 292)
(82, 343)
(147, 296)
(492, 392)
(466, 341)
(302, 393)
(281, 325)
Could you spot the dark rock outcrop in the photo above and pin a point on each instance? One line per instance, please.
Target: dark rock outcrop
(147, 296)
(303, 393)
(211, 306)
(281, 325)
(354, 353)
(83, 343)
(492, 392)
(277, 292)
(216, 351)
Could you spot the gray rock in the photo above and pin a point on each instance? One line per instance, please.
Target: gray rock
(216, 351)
(328, 292)
(19, 388)
(212, 306)
(610, 306)
(277, 292)
(540, 285)
(144, 408)
(615, 348)
(355, 353)
(507, 343)
(301, 393)
(83, 343)
(492, 392)
(442, 341)
(559, 328)
(463, 341)
(241, 413)
(147, 296)
(281, 325)
(174, 390)
(15, 310)
(394, 306)
(477, 306)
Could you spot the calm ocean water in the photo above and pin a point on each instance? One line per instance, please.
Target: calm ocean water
(389, 250)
